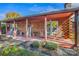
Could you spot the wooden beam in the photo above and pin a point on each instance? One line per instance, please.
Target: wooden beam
(15, 32)
(26, 28)
(6, 28)
(45, 28)
(76, 28)
(14, 25)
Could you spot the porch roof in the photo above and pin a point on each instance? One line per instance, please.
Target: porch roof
(53, 14)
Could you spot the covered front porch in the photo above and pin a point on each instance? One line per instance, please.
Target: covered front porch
(53, 27)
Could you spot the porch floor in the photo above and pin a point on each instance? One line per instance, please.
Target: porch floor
(66, 43)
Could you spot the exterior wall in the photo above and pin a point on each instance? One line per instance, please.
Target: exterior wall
(72, 28)
(21, 26)
(78, 28)
(65, 27)
(69, 28)
(37, 27)
(8, 28)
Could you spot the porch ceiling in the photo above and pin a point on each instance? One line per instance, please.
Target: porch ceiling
(59, 16)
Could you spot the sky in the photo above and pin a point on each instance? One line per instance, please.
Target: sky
(26, 9)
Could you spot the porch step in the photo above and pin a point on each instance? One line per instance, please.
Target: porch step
(66, 45)
(62, 42)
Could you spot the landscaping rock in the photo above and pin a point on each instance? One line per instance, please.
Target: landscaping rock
(46, 53)
(53, 53)
(60, 52)
(69, 52)
(25, 44)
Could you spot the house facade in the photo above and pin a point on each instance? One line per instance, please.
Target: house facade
(53, 26)
(70, 6)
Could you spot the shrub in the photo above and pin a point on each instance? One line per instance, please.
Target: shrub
(17, 51)
(50, 45)
(35, 44)
(3, 28)
(9, 50)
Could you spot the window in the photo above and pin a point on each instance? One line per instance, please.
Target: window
(51, 26)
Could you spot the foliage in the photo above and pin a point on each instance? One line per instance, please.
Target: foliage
(17, 51)
(1, 45)
(9, 51)
(50, 45)
(36, 44)
(3, 27)
(12, 15)
(54, 24)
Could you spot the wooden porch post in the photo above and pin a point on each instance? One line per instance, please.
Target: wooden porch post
(76, 28)
(6, 29)
(51, 26)
(26, 28)
(15, 32)
(45, 28)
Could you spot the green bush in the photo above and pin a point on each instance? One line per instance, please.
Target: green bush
(17, 51)
(35, 44)
(9, 50)
(50, 46)
(3, 28)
